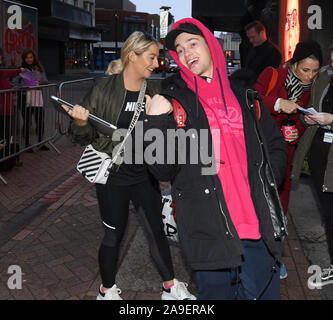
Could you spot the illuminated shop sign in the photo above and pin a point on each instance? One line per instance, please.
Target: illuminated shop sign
(292, 28)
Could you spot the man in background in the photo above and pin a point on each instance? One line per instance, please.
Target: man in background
(264, 53)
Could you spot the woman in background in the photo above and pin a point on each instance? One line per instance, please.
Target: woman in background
(317, 146)
(32, 102)
(291, 90)
(114, 67)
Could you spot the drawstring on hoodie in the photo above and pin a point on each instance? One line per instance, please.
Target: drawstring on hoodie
(221, 87)
(196, 96)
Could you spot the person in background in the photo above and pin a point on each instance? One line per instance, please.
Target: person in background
(114, 99)
(114, 67)
(291, 89)
(264, 52)
(32, 101)
(316, 145)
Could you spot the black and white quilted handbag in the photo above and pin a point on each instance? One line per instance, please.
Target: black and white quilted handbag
(94, 165)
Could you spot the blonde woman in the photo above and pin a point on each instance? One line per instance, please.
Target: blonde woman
(113, 100)
(114, 67)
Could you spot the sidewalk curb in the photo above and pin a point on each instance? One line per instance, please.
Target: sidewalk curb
(57, 196)
(20, 221)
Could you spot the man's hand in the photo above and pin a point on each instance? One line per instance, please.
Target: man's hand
(79, 114)
(158, 105)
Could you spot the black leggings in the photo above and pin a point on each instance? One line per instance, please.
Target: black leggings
(114, 208)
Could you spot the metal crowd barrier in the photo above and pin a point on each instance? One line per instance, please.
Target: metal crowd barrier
(28, 119)
(73, 92)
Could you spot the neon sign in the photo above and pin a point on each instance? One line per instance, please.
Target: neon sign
(292, 28)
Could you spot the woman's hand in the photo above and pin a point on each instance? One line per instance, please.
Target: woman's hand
(288, 106)
(157, 105)
(79, 114)
(321, 118)
(293, 136)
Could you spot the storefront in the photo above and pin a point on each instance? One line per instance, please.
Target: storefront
(77, 55)
(78, 52)
(66, 34)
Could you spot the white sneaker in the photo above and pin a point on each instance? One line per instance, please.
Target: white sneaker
(177, 292)
(110, 294)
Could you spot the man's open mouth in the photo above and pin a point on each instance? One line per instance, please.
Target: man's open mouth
(192, 62)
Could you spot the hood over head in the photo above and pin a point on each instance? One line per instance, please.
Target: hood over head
(220, 83)
(183, 27)
(194, 26)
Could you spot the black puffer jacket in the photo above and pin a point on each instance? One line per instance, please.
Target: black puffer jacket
(207, 234)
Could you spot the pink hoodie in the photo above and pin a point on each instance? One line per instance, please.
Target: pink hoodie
(225, 117)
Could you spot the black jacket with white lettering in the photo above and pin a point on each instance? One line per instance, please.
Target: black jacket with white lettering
(206, 232)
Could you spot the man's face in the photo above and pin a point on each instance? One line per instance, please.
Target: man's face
(256, 38)
(193, 52)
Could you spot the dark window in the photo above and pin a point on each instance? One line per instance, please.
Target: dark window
(88, 6)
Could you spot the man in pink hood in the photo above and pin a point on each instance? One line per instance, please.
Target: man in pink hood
(230, 222)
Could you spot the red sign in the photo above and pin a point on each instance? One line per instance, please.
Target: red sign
(292, 28)
(15, 40)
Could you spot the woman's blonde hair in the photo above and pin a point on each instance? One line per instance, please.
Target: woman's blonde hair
(114, 67)
(138, 42)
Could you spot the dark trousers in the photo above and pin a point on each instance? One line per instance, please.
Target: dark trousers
(38, 113)
(317, 159)
(6, 128)
(284, 189)
(114, 208)
(257, 271)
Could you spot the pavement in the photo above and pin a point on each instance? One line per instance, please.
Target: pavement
(50, 231)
